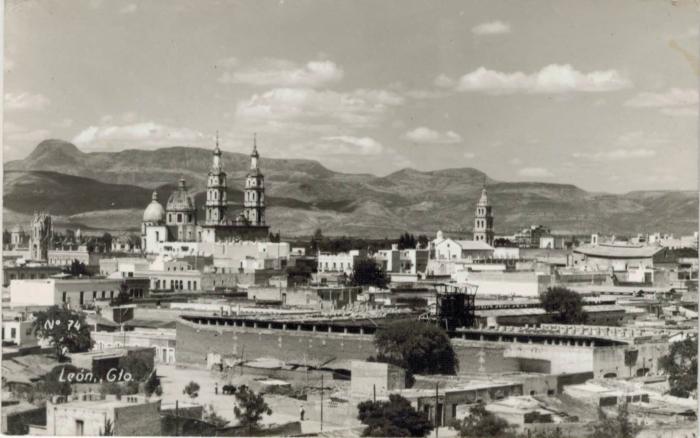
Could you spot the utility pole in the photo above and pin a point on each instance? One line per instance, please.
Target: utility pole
(374, 392)
(242, 358)
(436, 408)
(177, 418)
(321, 402)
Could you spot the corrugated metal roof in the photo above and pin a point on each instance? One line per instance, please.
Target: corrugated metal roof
(473, 245)
(618, 251)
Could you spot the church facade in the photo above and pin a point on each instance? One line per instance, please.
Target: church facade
(177, 222)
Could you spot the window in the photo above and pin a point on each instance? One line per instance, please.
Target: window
(170, 217)
(13, 333)
(103, 295)
(179, 218)
(94, 295)
(64, 296)
(111, 294)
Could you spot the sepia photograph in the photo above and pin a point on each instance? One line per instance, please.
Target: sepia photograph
(350, 218)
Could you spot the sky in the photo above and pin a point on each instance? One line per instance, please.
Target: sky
(601, 94)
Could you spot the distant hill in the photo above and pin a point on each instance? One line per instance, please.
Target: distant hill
(304, 195)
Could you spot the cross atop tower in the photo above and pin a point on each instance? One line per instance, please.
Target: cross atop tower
(217, 151)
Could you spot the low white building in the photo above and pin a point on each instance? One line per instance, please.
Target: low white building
(343, 262)
(51, 292)
(166, 273)
(403, 261)
(511, 284)
(124, 266)
(450, 249)
(19, 332)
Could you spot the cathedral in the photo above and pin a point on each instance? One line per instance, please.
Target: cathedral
(177, 222)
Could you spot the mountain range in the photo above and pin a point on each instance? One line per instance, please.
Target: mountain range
(109, 190)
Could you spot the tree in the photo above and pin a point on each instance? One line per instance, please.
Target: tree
(423, 241)
(395, 417)
(192, 390)
(107, 242)
(619, 426)
(482, 423)
(502, 242)
(122, 297)
(565, 305)
(274, 238)
(77, 269)
(107, 430)
(112, 388)
(418, 347)
(139, 368)
(152, 385)
(65, 329)
(250, 407)
(316, 240)
(210, 416)
(6, 237)
(52, 384)
(681, 365)
(367, 273)
(407, 241)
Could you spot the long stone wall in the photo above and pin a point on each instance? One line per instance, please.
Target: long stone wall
(196, 341)
(612, 332)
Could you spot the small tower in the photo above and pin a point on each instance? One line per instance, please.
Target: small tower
(216, 189)
(40, 239)
(254, 193)
(483, 220)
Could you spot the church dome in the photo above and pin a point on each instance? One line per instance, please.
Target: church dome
(154, 212)
(180, 200)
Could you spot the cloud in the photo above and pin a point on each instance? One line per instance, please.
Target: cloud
(427, 135)
(141, 135)
(535, 172)
(127, 117)
(229, 62)
(672, 102)
(26, 101)
(491, 28)
(417, 93)
(283, 73)
(469, 155)
(553, 78)
(128, 9)
(358, 108)
(629, 145)
(691, 111)
(616, 154)
(65, 123)
(444, 81)
(17, 133)
(353, 145)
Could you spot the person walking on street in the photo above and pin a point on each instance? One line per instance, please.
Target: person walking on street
(301, 413)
